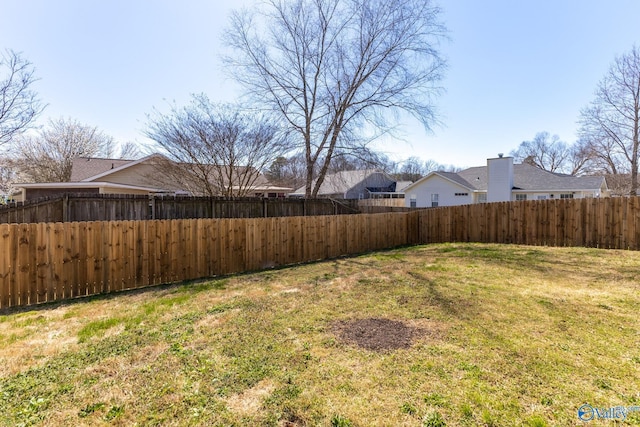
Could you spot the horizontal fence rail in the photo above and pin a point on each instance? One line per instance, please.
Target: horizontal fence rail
(55, 261)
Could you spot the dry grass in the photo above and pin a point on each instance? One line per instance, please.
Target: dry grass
(501, 335)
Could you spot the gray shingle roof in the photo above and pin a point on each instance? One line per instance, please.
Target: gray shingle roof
(458, 178)
(340, 182)
(527, 177)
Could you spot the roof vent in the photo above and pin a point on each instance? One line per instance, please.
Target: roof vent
(500, 155)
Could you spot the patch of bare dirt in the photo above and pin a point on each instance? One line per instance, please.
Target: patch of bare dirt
(376, 334)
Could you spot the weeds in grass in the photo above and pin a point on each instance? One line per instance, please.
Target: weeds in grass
(435, 399)
(408, 408)
(114, 412)
(433, 419)
(90, 409)
(97, 328)
(466, 411)
(509, 335)
(340, 421)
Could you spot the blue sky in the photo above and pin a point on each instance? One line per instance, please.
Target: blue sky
(515, 67)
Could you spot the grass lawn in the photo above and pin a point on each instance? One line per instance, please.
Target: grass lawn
(498, 336)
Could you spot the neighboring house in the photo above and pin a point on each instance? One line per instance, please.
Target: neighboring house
(148, 175)
(356, 184)
(500, 180)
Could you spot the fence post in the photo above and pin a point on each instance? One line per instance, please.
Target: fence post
(152, 205)
(65, 207)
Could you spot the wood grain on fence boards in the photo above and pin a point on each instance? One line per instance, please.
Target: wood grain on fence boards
(612, 223)
(120, 207)
(55, 261)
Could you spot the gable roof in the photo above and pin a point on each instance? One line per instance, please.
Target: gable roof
(340, 182)
(123, 165)
(97, 170)
(449, 176)
(87, 167)
(525, 177)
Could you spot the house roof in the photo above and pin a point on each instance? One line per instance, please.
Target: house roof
(87, 167)
(96, 170)
(531, 178)
(340, 182)
(525, 177)
(401, 185)
(458, 179)
(123, 165)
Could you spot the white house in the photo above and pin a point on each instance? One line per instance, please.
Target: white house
(500, 180)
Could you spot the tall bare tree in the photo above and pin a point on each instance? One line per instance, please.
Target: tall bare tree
(544, 151)
(338, 69)
(611, 123)
(48, 156)
(549, 153)
(215, 149)
(19, 103)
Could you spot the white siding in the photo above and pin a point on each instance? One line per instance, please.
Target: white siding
(435, 184)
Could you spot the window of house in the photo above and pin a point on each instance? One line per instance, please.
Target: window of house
(520, 197)
(434, 200)
(542, 197)
(462, 194)
(566, 195)
(412, 201)
(482, 198)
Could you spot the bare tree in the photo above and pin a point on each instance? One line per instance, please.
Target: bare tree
(545, 152)
(603, 157)
(128, 150)
(8, 178)
(358, 158)
(611, 123)
(48, 156)
(580, 160)
(215, 149)
(287, 171)
(337, 69)
(19, 104)
(412, 169)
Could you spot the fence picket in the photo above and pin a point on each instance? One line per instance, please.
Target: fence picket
(55, 261)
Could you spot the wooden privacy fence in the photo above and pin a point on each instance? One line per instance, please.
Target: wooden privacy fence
(612, 223)
(55, 261)
(120, 207)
